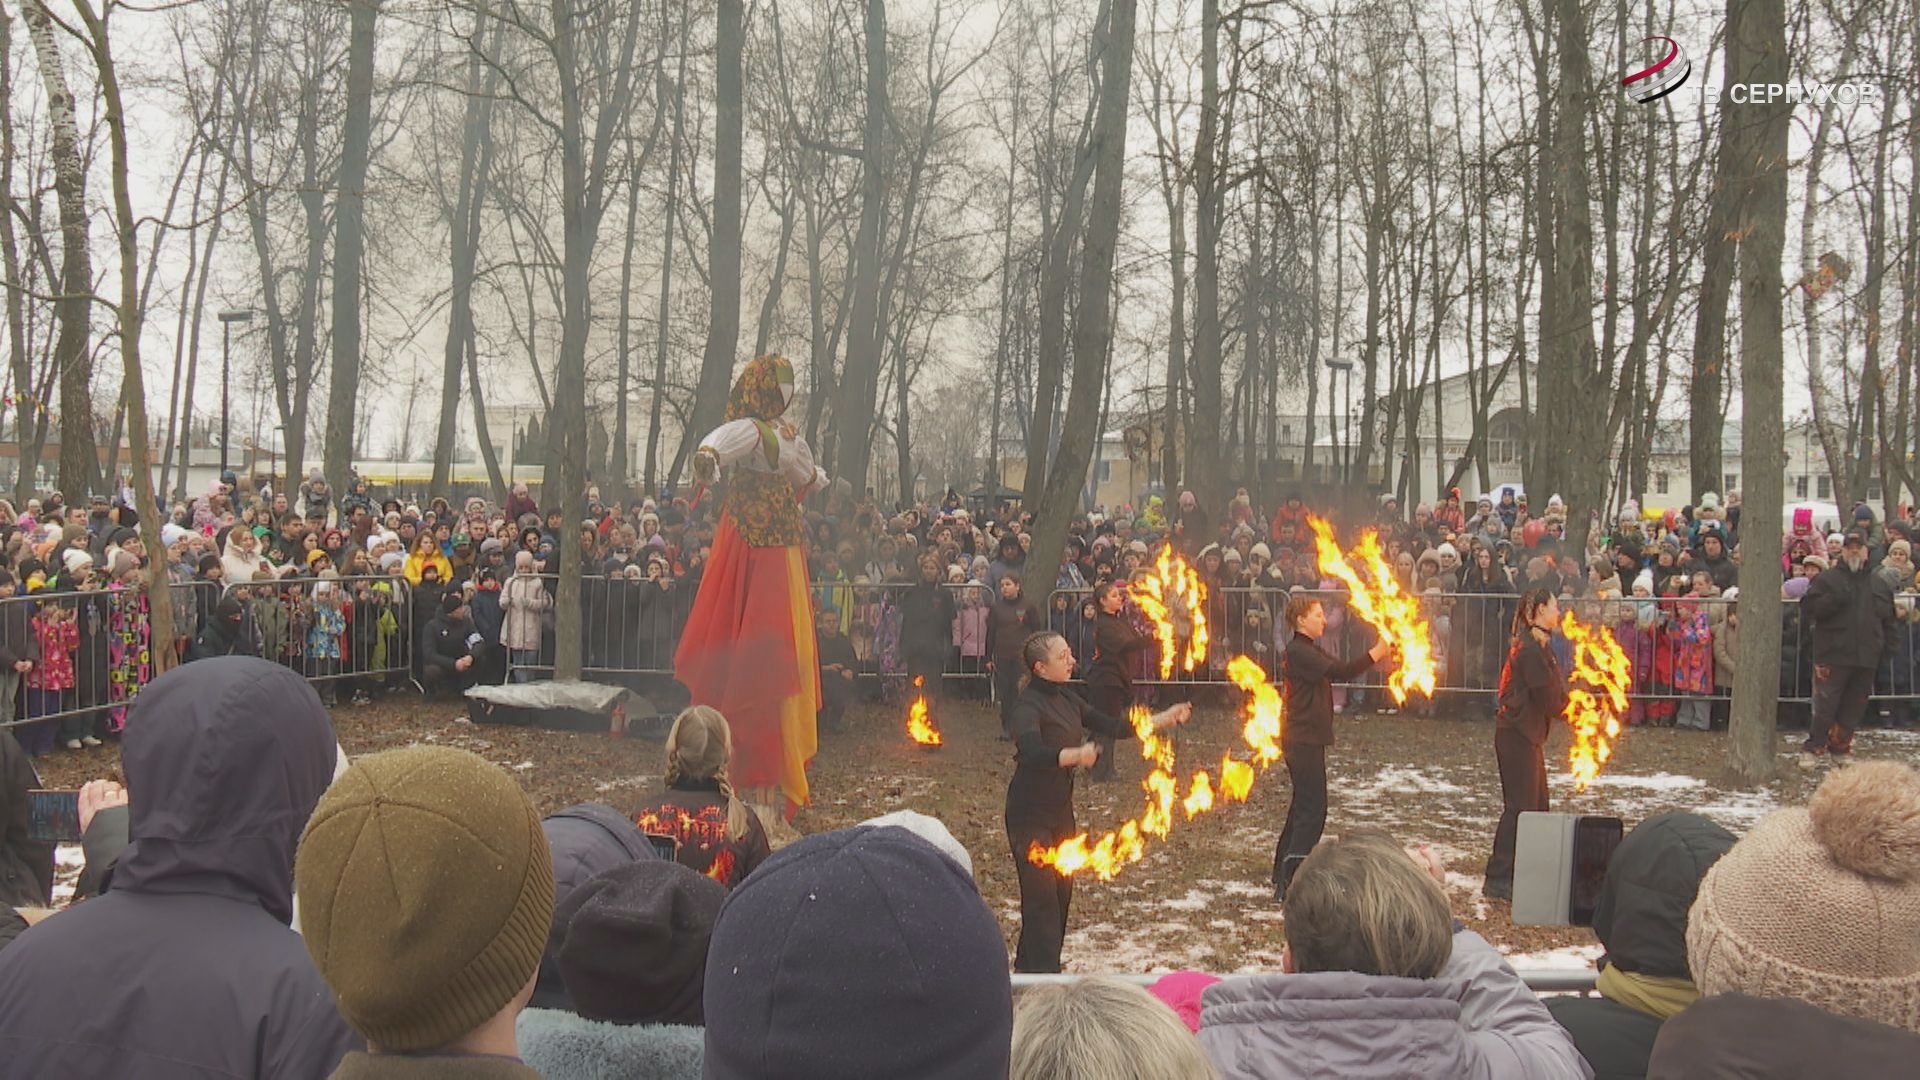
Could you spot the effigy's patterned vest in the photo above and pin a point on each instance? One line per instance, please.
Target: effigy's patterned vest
(762, 504)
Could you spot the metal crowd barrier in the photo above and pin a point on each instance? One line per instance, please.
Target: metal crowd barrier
(1539, 980)
(631, 626)
(362, 630)
(1669, 640)
(108, 637)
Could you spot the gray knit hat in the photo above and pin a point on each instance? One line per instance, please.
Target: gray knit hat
(1822, 904)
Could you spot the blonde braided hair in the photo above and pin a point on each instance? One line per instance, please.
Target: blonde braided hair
(698, 748)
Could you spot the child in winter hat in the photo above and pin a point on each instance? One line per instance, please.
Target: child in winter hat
(1849, 942)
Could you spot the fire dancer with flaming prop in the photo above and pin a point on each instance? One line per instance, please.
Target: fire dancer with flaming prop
(1377, 598)
(1533, 694)
(1050, 724)
(1310, 673)
(1109, 682)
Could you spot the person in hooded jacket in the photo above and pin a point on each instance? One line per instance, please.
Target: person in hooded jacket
(1853, 615)
(1377, 983)
(1641, 921)
(583, 841)
(186, 966)
(223, 634)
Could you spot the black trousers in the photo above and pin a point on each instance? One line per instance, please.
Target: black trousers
(1523, 787)
(836, 693)
(926, 667)
(1044, 894)
(1306, 811)
(1113, 700)
(1839, 707)
(1006, 687)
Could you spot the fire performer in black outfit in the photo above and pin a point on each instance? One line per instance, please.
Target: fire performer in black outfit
(1310, 673)
(1533, 693)
(1050, 724)
(1109, 683)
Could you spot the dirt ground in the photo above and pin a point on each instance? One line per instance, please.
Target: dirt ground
(1198, 900)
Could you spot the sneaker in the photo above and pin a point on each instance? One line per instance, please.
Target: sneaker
(73, 744)
(89, 742)
(360, 698)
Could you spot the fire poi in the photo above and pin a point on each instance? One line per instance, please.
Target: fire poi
(1596, 696)
(920, 725)
(1174, 582)
(1127, 844)
(1375, 596)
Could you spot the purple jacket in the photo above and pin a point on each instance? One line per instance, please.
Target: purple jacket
(1477, 1021)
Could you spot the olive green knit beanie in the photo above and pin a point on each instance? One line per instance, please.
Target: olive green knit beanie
(426, 894)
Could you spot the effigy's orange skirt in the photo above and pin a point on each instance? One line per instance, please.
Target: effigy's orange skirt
(748, 650)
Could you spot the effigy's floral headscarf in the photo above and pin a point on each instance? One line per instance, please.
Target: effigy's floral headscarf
(763, 390)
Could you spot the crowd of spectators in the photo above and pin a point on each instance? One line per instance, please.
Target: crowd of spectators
(255, 905)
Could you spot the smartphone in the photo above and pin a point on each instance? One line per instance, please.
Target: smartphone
(53, 815)
(664, 846)
(1594, 841)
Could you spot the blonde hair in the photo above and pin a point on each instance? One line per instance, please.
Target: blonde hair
(698, 748)
(1359, 903)
(1102, 1028)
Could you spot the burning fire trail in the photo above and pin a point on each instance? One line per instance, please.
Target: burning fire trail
(1174, 584)
(1126, 845)
(1376, 596)
(920, 725)
(1596, 697)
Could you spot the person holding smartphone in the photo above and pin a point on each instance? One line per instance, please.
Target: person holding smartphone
(1309, 673)
(1533, 692)
(1050, 725)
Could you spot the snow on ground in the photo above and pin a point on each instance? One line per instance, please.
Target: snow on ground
(68, 861)
(1565, 958)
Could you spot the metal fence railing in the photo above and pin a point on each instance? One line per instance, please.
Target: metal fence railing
(1671, 642)
(362, 632)
(95, 648)
(632, 626)
(365, 633)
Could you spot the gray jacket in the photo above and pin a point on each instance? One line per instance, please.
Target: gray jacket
(561, 1046)
(1477, 1021)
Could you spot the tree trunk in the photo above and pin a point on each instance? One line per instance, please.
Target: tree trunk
(723, 260)
(26, 394)
(1203, 454)
(476, 145)
(1093, 329)
(853, 412)
(1757, 53)
(127, 228)
(349, 243)
(73, 352)
(671, 212)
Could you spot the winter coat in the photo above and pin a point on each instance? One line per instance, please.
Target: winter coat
(186, 966)
(1852, 613)
(17, 639)
(415, 566)
(1009, 623)
(1115, 641)
(524, 603)
(583, 841)
(1310, 673)
(561, 1046)
(1477, 1021)
(26, 864)
(970, 623)
(445, 642)
(220, 638)
(1641, 920)
(1725, 635)
(926, 621)
(1736, 1037)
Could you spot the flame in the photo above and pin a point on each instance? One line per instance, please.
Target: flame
(1118, 848)
(1172, 590)
(1596, 696)
(920, 724)
(1378, 598)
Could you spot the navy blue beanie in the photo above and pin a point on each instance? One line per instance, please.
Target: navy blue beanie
(858, 953)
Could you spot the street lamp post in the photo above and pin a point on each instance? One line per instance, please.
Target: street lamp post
(1338, 365)
(227, 319)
